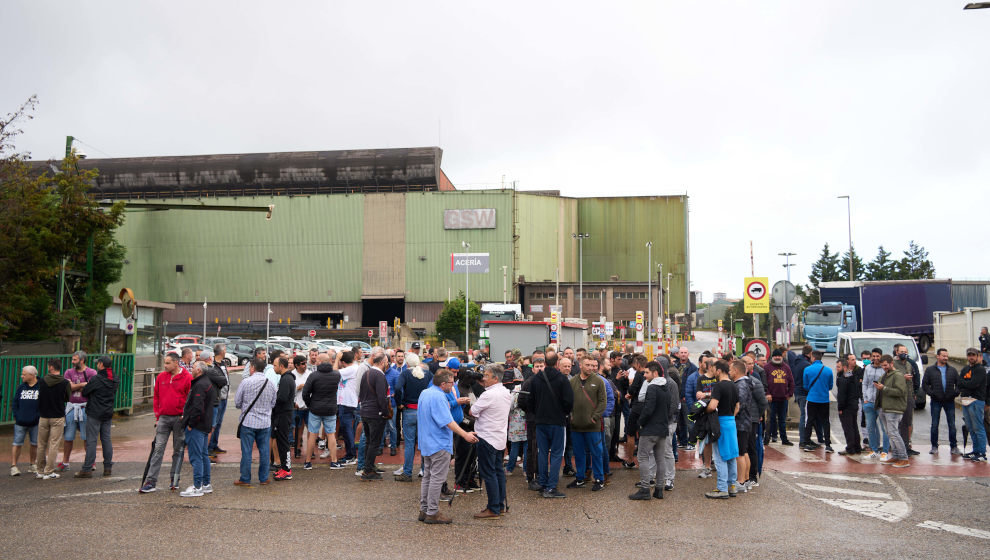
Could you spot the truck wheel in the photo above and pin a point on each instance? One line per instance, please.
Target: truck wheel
(924, 344)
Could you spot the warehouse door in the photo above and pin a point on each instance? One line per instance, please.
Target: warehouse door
(374, 310)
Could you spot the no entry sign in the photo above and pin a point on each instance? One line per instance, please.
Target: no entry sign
(758, 346)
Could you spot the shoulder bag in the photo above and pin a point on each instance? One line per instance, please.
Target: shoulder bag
(243, 416)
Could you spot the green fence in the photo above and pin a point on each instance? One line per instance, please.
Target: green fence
(10, 378)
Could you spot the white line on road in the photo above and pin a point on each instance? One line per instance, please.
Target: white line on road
(939, 478)
(831, 476)
(965, 531)
(846, 491)
(888, 511)
(100, 493)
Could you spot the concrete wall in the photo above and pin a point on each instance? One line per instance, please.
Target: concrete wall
(960, 330)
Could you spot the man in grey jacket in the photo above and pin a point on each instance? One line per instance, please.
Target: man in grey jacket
(872, 374)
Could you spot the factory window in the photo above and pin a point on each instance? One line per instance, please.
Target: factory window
(630, 295)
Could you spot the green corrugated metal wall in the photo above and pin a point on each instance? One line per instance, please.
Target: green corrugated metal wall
(545, 226)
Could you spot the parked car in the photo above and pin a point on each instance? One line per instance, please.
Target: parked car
(240, 351)
(856, 342)
(334, 344)
(178, 348)
(365, 347)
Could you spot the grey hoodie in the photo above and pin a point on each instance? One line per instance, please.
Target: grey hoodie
(871, 373)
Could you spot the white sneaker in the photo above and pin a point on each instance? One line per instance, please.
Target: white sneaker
(39, 476)
(397, 471)
(51, 476)
(420, 473)
(325, 454)
(872, 455)
(357, 472)
(208, 489)
(883, 456)
(705, 473)
(191, 492)
(14, 471)
(32, 468)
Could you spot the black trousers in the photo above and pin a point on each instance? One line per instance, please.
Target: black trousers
(817, 416)
(532, 469)
(282, 432)
(465, 460)
(850, 430)
(374, 429)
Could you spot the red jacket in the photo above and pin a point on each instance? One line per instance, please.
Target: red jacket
(171, 392)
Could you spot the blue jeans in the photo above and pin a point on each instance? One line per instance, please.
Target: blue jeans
(490, 470)
(726, 471)
(588, 441)
(778, 419)
(347, 416)
(218, 413)
(249, 438)
(973, 416)
(409, 425)
(362, 444)
(391, 432)
(873, 431)
(550, 448)
(759, 448)
(517, 449)
(950, 420)
(198, 457)
(71, 426)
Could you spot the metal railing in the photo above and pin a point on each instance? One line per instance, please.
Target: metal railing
(10, 378)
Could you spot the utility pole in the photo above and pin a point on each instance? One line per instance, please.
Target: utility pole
(661, 324)
(204, 320)
(669, 274)
(268, 325)
(505, 289)
(467, 300)
(849, 220)
(649, 290)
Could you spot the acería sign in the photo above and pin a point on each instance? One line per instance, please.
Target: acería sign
(466, 218)
(461, 263)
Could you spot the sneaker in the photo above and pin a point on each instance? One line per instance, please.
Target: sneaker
(933, 451)
(39, 476)
(979, 459)
(828, 449)
(325, 454)
(576, 483)
(321, 444)
(358, 472)
(62, 467)
(508, 472)
(873, 455)
(403, 478)
(901, 463)
(598, 485)
(309, 466)
(911, 451)
(955, 451)
(191, 492)
(147, 488)
(32, 468)
(436, 518)
(420, 475)
(733, 492)
(458, 489)
(371, 476)
(968, 455)
(568, 471)
(717, 495)
(629, 465)
(668, 486)
(535, 486)
(753, 484)
(207, 488)
(296, 454)
(52, 475)
(218, 450)
(350, 461)
(788, 443)
(283, 475)
(884, 456)
(641, 494)
(705, 473)
(553, 493)
(397, 471)
(14, 471)
(334, 466)
(83, 474)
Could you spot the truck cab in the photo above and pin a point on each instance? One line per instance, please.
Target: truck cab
(824, 321)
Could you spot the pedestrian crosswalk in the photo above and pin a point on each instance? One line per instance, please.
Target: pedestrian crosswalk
(879, 497)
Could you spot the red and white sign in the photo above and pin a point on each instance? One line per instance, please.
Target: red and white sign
(758, 346)
(371, 333)
(312, 333)
(382, 329)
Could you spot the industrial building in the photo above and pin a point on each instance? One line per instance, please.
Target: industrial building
(360, 236)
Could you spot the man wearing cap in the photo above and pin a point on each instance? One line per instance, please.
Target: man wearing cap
(780, 387)
(973, 391)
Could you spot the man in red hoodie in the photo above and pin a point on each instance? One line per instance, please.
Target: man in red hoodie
(171, 390)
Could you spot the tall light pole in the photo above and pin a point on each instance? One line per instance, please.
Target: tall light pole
(661, 325)
(849, 216)
(467, 300)
(649, 289)
(204, 320)
(580, 237)
(505, 290)
(787, 318)
(669, 274)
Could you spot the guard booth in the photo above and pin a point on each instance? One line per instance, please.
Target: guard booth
(530, 335)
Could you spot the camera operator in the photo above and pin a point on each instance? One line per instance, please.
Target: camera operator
(467, 390)
(492, 413)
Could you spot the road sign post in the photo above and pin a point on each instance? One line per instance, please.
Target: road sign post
(639, 331)
(312, 333)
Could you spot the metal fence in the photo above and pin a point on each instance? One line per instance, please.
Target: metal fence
(10, 378)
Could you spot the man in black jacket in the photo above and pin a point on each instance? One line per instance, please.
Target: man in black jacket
(373, 395)
(941, 383)
(53, 393)
(848, 391)
(551, 400)
(635, 405)
(653, 429)
(197, 418)
(285, 397)
(973, 388)
(100, 392)
(320, 395)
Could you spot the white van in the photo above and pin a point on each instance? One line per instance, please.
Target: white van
(856, 342)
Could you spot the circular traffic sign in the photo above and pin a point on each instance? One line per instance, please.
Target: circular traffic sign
(758, 346)
(312, 333)
(371, 333)
(639, 326)
(756, 290)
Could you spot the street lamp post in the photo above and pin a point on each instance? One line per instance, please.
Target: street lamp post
(649, 290)
(467, 300)
(669, 275)
(580, 237)
(661, 324)
(849, 219)
(505, 289)
(787, 318)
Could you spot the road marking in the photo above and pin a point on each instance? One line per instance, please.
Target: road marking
(939, 478)
(965, 531)
(831, 476)
(886, 510)
(82, 494)
(833, 490)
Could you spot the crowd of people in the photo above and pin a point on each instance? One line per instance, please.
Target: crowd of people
(551, 413)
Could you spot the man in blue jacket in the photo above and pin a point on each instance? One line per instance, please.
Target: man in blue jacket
(817, 381)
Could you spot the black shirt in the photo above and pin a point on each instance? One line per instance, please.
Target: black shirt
(727, 395)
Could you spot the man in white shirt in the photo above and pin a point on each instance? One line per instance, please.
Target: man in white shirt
(492, 413)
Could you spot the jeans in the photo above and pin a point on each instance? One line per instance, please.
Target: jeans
(950, 420)
(391, 432)
(870, 411)
(198, 457)
(347, 417)
(726, 471)
(550, 450)
(249, 438)
(72, 425)
(98, 429)
(218, 413)
(890, 421)
(409, 426)
(166, 425)
(517, 449)
(973, 416)
(778, 419)
(491, 472)
(588, 441)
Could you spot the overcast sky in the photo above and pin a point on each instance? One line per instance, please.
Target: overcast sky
(762, 112)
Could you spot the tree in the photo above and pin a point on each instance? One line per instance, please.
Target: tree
(450, 323)
(881, 267)
(47, 220)
(915, 264)
(858, 270)
(825, 269)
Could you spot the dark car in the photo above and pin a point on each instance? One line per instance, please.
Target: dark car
(240, 351)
